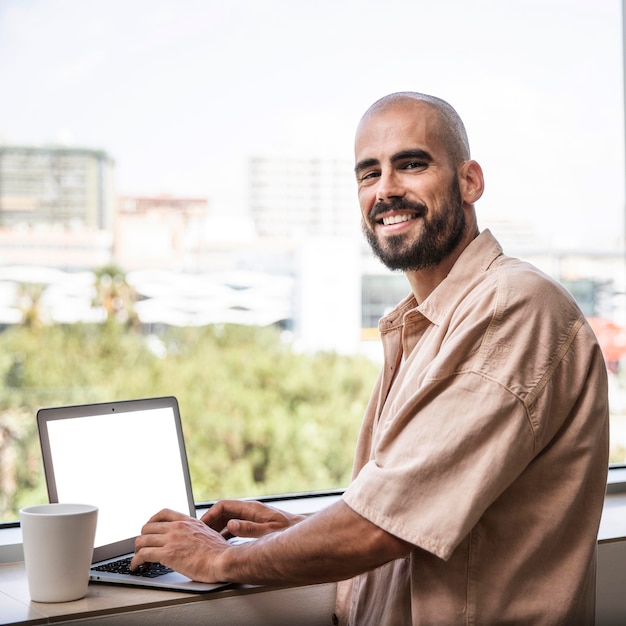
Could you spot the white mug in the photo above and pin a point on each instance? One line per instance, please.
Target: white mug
(58, 549)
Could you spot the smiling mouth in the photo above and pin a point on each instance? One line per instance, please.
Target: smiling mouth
(389, 220)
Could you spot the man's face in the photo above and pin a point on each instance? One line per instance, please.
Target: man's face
(411, 204)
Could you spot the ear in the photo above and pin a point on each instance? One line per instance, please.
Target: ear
(471, 181)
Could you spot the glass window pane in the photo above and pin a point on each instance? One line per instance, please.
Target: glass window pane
(178, 210)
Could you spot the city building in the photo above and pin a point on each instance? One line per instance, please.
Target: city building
(299, 196)
(159, 232)
(56, 186)
(57, 206)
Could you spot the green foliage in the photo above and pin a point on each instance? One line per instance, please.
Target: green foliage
(257, 417)
(115, 296)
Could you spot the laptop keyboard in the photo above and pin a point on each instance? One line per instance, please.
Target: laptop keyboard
(122, 566)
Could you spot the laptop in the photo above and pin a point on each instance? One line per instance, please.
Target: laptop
(128, 458)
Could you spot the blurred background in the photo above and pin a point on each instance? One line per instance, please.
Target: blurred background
(178, 211)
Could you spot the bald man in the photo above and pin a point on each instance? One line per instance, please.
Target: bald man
(480, 470)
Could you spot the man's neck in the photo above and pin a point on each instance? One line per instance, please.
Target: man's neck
(424, 282)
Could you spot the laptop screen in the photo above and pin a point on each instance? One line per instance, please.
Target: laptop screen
(127, 458)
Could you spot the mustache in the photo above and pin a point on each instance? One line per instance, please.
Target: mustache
(397, 204)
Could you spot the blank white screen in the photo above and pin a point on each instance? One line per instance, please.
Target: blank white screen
(127, 464)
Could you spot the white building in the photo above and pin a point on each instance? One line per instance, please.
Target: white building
(303, 196)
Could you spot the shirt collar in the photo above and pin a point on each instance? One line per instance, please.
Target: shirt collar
(477, 257)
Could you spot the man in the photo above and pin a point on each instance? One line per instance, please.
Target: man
(480, 469)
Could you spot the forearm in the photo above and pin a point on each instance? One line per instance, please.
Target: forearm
(332, 545)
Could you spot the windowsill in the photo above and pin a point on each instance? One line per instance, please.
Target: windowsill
(616, 481)
(613, 522)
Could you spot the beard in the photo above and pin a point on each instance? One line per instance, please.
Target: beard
(440, 234)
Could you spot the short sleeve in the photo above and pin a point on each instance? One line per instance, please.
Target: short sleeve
(442, 460)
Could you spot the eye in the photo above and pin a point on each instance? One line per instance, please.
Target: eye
(368, 175)
(414, 165)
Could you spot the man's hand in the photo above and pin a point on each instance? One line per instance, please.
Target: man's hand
(184, 543)
(239, 518)
(335, 544)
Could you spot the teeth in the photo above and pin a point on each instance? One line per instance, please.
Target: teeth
(396, 219)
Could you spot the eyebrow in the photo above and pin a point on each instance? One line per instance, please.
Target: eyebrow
(364, 164)
(415, 153)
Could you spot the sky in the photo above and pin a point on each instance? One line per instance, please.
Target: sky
(180, 93)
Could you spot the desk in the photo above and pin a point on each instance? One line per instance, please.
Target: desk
(128, 606)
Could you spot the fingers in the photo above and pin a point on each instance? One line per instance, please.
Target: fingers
(152, 537)
(181, 542)
(218, 516)
(146, 551)
(243, 528)
(167, 515)
(140, 558)
(244, 518)
(158, 523)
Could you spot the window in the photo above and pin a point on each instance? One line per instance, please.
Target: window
(178, 213)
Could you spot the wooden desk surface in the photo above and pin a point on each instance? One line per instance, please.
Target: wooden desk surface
(118, 604)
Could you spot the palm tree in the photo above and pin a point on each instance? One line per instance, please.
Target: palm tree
(115, 296)
(29, 302)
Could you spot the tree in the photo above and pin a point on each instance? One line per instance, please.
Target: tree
(115, 296)
(29, 297)
(258, 418)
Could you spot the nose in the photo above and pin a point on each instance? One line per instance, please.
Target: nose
(389, 186)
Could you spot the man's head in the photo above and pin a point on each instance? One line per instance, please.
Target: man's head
(417, 184)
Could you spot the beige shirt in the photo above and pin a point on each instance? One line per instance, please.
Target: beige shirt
(487, 449)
